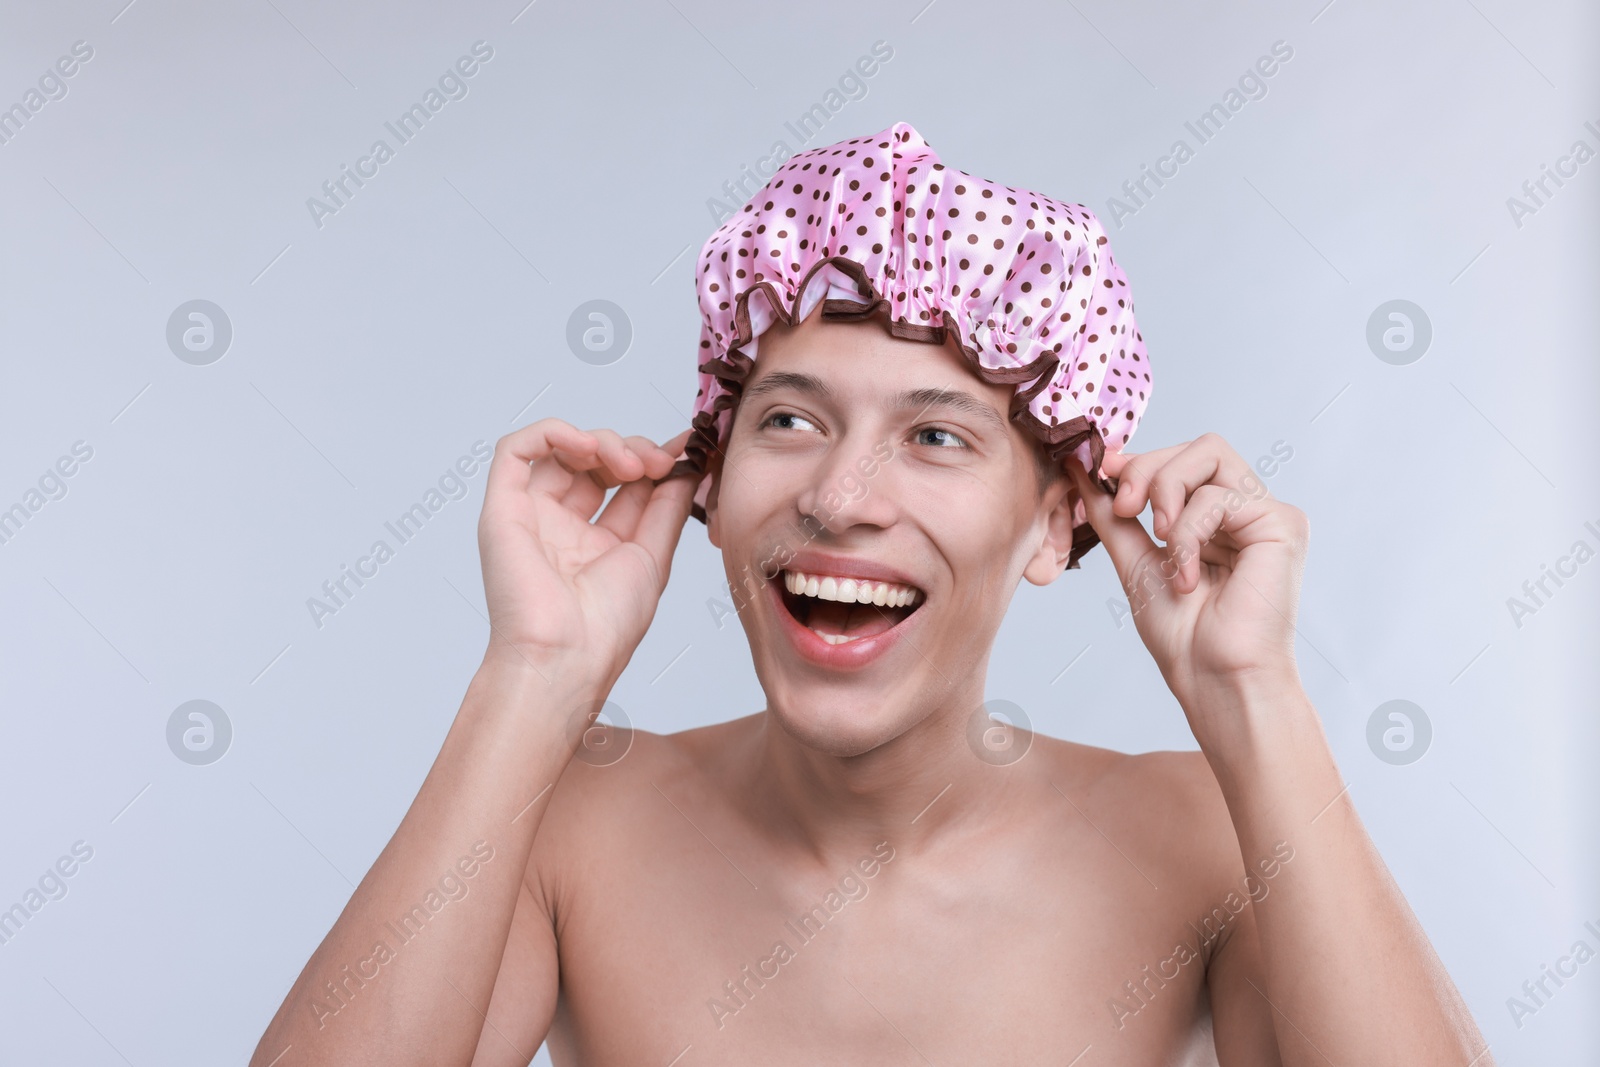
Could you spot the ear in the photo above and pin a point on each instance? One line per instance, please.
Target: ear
(1050, 560)
(713, 515)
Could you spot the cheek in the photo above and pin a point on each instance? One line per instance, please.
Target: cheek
(981, 560)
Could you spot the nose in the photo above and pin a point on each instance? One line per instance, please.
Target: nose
(851, 486)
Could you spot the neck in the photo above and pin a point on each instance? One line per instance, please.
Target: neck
(923, 785)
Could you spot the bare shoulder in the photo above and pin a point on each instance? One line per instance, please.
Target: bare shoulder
(619, 780)
(1166, 805)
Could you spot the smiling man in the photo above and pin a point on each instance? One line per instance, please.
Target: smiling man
(869, 869)
(884, 520)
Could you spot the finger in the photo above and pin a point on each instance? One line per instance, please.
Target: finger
(588, 490)
(1126, 540)
(661, 523)
(618, 462)
(603, 464)
(1164, 479)
(622, 512)
(515, 454)
(675, 447)
(1209, 460)
(584, 496)
(1217, 554)
(1112, 463)
(1133, 472)
(554, 476)
(1209, 514)
(657, 460)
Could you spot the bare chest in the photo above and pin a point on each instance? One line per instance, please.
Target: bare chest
(683, 954)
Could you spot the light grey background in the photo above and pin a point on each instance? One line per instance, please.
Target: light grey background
(431, 312)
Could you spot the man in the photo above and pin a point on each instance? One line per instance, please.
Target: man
(869, 870)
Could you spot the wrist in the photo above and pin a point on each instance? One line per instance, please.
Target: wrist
(569, 674)
(1260, 730)
(1254, 692)
(535, 700)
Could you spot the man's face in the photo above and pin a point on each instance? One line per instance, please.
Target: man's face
(841, 460)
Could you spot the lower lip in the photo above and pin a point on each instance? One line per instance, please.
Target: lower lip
(845, 656)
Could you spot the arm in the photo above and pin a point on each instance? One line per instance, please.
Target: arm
(507, 735)
(524, 1000)
(1347, 970)
(405, 974)
(1333, 951)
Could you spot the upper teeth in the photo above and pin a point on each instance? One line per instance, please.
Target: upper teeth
(849, 590)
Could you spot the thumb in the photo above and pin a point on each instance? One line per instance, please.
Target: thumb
(663, 520)
(1126, 540)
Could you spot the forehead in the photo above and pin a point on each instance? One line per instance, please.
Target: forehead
(860, 360)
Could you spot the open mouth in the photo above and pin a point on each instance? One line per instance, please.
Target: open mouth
(841, 611)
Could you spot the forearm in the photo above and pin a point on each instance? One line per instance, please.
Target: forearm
(358, 1003)
(1349, 972)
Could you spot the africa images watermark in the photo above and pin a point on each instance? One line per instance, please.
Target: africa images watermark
(352, 978)
(1566, 567)
(52, 885)
(52, 86)
(749, 585)
(1251, 86)
(1140, 992)
(1580, 953)
(451, 486)
(1151, 580)
(452, 85)
(852, 85)
(805, 928)
(1579, 154)
(52, 485)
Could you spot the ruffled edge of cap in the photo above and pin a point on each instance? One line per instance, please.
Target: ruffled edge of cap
(1060, 440)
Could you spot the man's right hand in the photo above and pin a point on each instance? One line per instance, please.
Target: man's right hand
(563, 589)
(572, 599)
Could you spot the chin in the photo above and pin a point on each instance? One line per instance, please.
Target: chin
(842, 725)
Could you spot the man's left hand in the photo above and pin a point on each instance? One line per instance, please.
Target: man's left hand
(1216, 606)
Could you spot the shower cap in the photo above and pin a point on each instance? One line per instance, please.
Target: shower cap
(1025, 284)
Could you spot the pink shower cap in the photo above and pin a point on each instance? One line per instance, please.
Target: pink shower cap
(1025, 284)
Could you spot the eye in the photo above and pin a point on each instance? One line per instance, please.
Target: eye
(786, 415)
(948, 434)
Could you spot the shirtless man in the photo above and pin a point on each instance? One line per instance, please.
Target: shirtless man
(843, 877)
(871, 869)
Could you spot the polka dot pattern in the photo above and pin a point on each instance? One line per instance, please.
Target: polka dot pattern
(1025, 284)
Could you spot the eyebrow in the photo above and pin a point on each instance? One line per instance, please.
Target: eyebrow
(922, 399)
